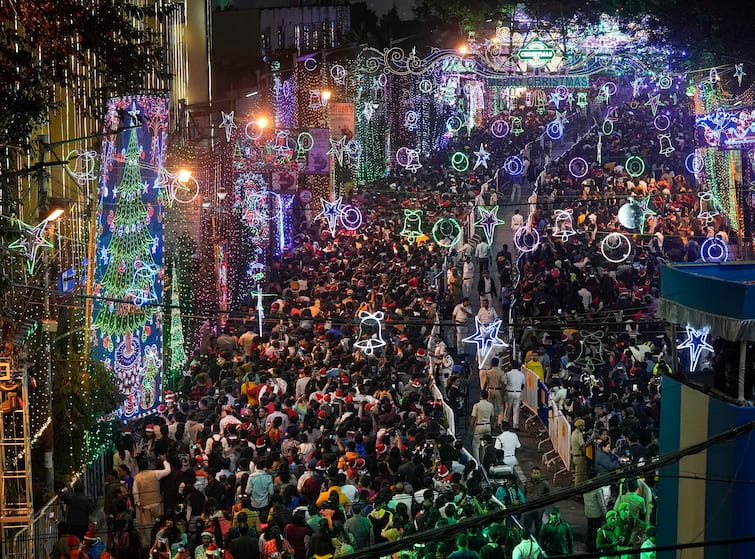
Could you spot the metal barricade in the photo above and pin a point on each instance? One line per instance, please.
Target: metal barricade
(447, 411)
(44, 525)
(559, 431)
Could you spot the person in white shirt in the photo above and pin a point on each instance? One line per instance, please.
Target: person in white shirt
(462, 314)
(507, 443)
(482, 252)
(517, 221)
(227, 419)
(487, 313)
(514, 386)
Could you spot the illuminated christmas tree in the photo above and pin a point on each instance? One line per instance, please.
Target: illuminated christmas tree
(128, 282)
(177, 353)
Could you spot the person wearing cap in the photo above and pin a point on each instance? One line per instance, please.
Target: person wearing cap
(480, 423)
(514, 384)
(493, 380)
(556, 535)
(577, 450)
(630, 527)
(608, 535)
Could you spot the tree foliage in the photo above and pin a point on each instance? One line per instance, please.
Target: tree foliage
(63, 43)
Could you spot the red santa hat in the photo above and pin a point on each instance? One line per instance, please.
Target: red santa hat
(91, 533)
(261, 442)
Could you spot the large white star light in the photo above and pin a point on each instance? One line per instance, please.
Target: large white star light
(488, 221)
(486, 337)
(696, 342)
(228, 124)
(482, 157)
(32, 239)
(331, 212)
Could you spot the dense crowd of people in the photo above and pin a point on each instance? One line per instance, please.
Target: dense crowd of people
(335, 424)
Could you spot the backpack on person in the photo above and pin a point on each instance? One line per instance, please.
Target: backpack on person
(216, 451)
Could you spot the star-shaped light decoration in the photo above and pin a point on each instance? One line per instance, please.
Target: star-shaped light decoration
(135, 114)
(654, 101)
(739, 73)
(570, 99)
(561, 117)
(555, 99)
(488, 221)
(331, 212)
(337, 149)
(32, 239)
(696, 342)
(228, 124)
(644, 208)
(486, 337)
(482, 157)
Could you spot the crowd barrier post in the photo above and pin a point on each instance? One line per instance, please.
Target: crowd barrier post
(44, 525)
(559, 430)
(530, 393)
(447, 411)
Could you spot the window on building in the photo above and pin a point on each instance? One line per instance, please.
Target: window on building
(281, 37)
(297, 37)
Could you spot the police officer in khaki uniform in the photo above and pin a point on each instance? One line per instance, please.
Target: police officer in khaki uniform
(494, 381)
(482, 416)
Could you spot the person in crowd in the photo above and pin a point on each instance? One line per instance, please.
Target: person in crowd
(556, 535)
(480, 423)
(506, 445)
(535, 488)
(595, 510)
(514, 383)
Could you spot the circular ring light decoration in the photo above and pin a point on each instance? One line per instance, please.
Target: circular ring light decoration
(714, 249)
(500, 128)
(354, 149)
(425, 86)
(665, 82)
(382, 80)
(634, 166)
(630, 215)
(411, 120)
(554, 130)
(634, 104)
(661, 122)
(338, 73)
(351, 217)
(609, 88)
(579, 167)
(526, 239)
(513, 165)
(447, 232)
(695, 163)
(82, 165)
(616, 247)
(310, 64)
(253, 130)
(305, 141)
(460, 162)
(403, 156)
(454, 124)
(607, 127)
(562, 92)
